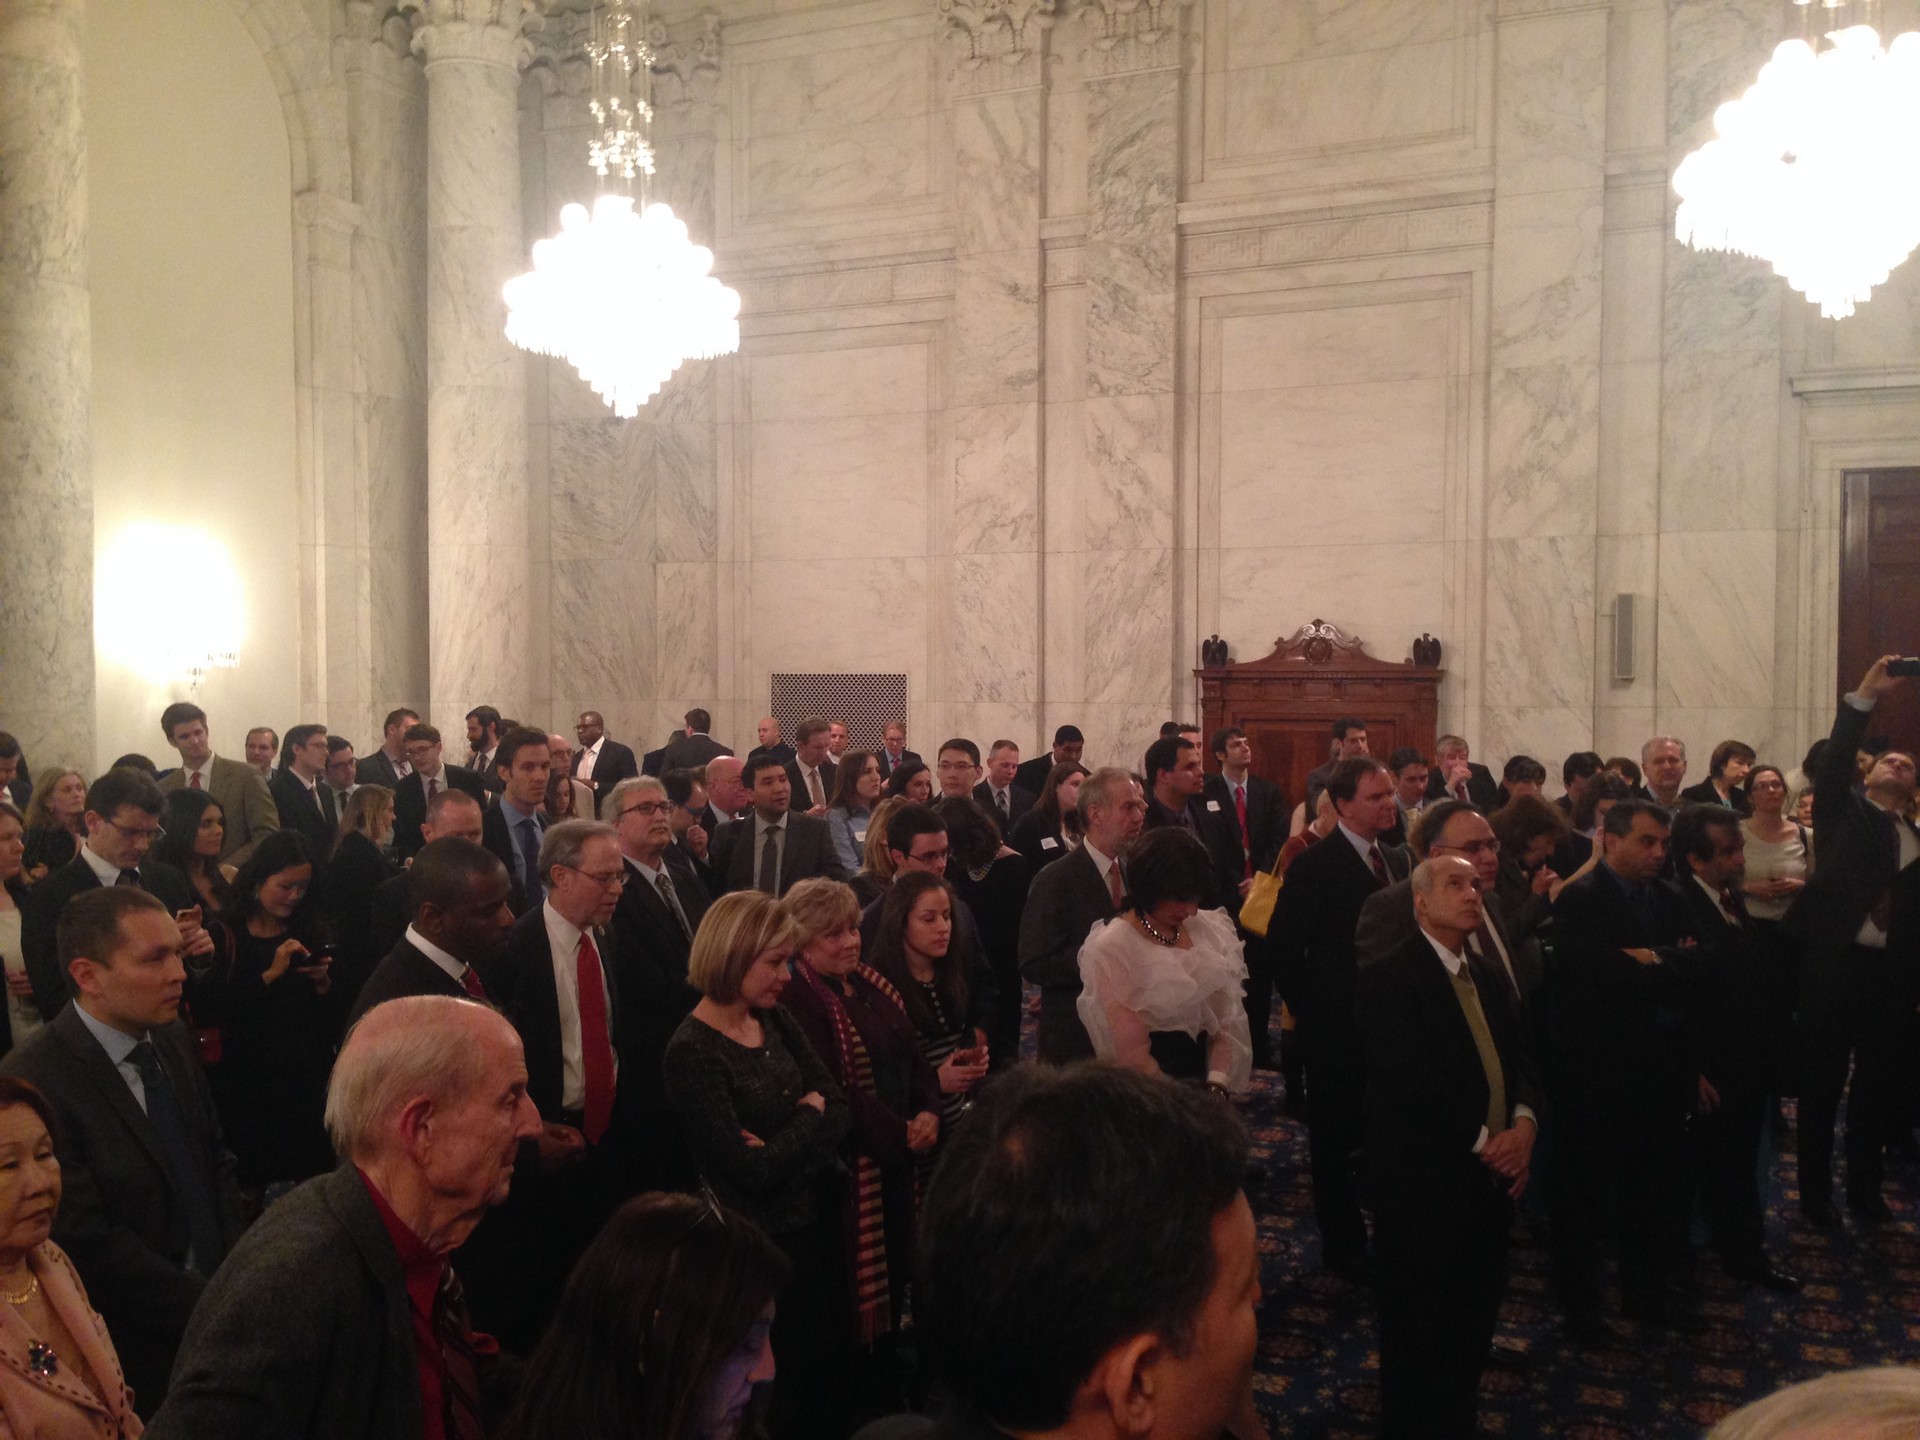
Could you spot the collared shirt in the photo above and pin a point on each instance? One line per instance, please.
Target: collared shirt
(1718, 903)
(563, 939)
(119, 1047)
(760, 827)
(1454, 961)
(1104, 862)
(516, 818)
(808, 775)
(583, 766)
(482, 761)
(204, 770)
(1871, 935)
(402, 767)
(109, 875)
(420, 1268)
(1365, 847)
(456, 969)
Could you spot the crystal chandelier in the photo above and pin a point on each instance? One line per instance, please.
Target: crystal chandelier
(620, 293)
(1816, 168)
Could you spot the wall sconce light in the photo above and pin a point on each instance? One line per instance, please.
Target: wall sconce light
(168, 603)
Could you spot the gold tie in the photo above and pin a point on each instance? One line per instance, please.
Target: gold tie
(1469, 998)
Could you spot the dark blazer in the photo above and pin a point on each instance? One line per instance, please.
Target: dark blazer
(1224, 864)
(1426, 1090)
(808, 852)
(1705, 794)
(613, 764)
(685, 752)
(119, 1219)
(1617, 1026)
(1481, 786)
(520, 981)
(1032, 774)
(1387, 922)
(1019, 801)
(40, 916)
(307, 1334)
(887, 766)
(1859, 846)
(1066, 900)
(410, 804)
(1743, 1002)
(496, 837)
(649, 951)
(654, 762)
(300, 814)
(1314, 924)
(1266, 820)
(401, 972)
(377, 769)
(801, 800)
(389, 914)
(1031, 837)
(357, 871)
(780, 751)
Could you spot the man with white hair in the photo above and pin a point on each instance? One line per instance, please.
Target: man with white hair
(340, 1314)
(1663, 769)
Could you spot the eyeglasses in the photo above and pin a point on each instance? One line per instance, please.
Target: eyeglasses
(932, 857)
(649, 807)
(954, 767)
(615, 880)
(136, 833)
(1477, 847)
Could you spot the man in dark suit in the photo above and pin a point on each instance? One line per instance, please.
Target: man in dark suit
(1410, 775)
(1742, 1036)
(1623, 1081)
(301, 793)
(484, 732)
(1066, 900)
(389, 765)
(1663, 768)
(1450, 1122)
(149, 1206)
(658, 914)
(15, 780)
(772, 848)
(810, 773)
(459, 921)
(1004, 797)
(326, 1323)
(727, 795)
(600, 763)
(693, 747)
(654, 762)
(246, 806)
(1577, 772)
(1349, 743)
(514, 824)
(1853, 976)
(431, 777)
(122, 815)
(1726, 783)
(1313, 936)
(1456, 776)
(893, 752)
(556, 982)
(1068, 743)
(454, 814)
(1175, 782)
(770, 742)
(1248, 815)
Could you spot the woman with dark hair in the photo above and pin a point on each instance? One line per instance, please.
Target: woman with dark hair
(1051, 829)
(1529, 830)
(913, 781)
(196, 828)
(1579, 851)
(663, 1331)
(857, 788)
(280, 1018)
(55, 822)
(1779, 849)
(359, 866)
(991, 878)
(1162, 981)
(23, 1016)
(1523, 775)
(913, 948)
(1627, 769)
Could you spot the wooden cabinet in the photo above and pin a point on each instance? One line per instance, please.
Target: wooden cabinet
(1287, 703)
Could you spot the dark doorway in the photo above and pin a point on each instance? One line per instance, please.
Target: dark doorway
(1880, 588)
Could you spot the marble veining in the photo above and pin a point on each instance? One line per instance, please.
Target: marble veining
(995, 478)
(1545, 450)
(1538, 643)
(992, 637)
(1126, 600)
(1716, 615)
(1129, 473)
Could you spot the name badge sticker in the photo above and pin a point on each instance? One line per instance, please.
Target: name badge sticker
(1214, 806)
(1047, 842)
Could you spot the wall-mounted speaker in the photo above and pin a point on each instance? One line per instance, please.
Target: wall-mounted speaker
(1623, 648)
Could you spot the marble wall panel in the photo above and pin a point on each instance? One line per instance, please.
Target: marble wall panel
(1128, 501)
(845, 168)
(807, 474)
(1339, 344)
(808, 617)
(1548, 733)
(1550, 118)
(1384, 593)
(992, 623)
(998, 150)
(479, 639)
(1543, 448)
(1716, 619)
(1367, 98)
(1539, 625)
(825, 87)
(997, 320)
(1720, 440)
(1255, 32)
(685, 482)
(600, 495)
(992, 492)
(686, 626)
(1547, 276)
(604, 624)
(881, 379)
(1126, 598)
(1628, 498)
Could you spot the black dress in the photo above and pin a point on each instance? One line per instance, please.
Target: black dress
(277, 1047)
(357, 869)
(49, 845)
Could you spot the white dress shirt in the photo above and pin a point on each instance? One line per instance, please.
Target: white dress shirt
(1105, 864)
(589, 757)
(809, 777)
(1453, 962)
(563, 938)
(204, 770)
(456, 969)
(108, 875)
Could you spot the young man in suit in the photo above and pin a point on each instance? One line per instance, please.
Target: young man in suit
(693, 746)
(484, 729)
(300, 791)
(389, 765)
(122, 815)
(1313, 935)
(15, 779)
(810, 773)
(1070, 896)
(459, 918)
(1068, 743)
(956, 766)
(601, 763)
(1853, 922)
(1003, 797)
(315, 1329)
(431, 777)
(772, 847)
(1410, 775)
(1447, 1147)
(1248, 815)
(1456, 776)
(658, 914)
(246, 806)
(515, 823)
(893, 752)
(150, 1206)
(1623, 1079)
(1349, 743)
(262, 748)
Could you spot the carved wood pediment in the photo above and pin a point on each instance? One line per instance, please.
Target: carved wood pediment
(1319, 647)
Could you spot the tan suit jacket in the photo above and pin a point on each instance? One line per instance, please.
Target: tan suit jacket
(62, 1404)
(243, 795)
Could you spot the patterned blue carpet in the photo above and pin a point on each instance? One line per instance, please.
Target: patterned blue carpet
(1318, 1362)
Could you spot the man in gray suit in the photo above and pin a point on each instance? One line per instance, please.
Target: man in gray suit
(772, 847)
(236, 786)
(693, 747)
(150, 1207)
(316, 1328)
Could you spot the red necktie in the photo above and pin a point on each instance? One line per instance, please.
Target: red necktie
(470, 982)
(1379, 863)
(596, 1046)
(1114, 887)
(1240, 809)
(193, 781)
(1459, 789)
(433, 787)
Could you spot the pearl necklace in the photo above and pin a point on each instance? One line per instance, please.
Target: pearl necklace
(1154, 935)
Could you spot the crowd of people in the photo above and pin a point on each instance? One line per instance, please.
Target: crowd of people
(573, 1092)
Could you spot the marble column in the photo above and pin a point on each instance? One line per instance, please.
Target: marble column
(1130, 603)
(46, 555)
(477, 493)
(986, 564)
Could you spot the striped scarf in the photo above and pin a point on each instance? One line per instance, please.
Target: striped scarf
(866, 1210)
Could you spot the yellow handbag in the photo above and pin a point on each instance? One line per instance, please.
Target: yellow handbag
(1256, 911)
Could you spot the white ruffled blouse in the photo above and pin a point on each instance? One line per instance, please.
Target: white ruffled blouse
(1197, 991)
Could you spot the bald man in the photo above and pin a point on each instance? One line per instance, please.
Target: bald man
(601, 763)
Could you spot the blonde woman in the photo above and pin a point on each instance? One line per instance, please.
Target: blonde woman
(55, 822)
(876, 862)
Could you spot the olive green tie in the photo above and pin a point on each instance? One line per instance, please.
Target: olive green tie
(1469, 999)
